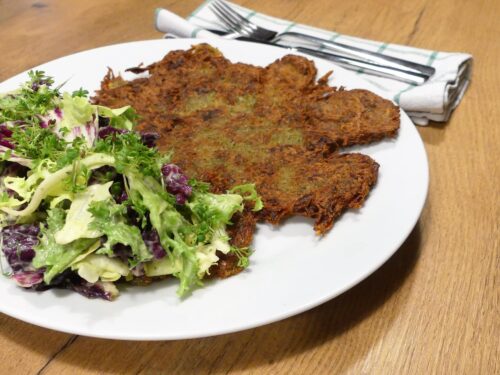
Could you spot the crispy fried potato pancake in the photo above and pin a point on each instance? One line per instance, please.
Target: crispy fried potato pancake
(232, 123)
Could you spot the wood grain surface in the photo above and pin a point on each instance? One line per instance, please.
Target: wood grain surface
(433, 308)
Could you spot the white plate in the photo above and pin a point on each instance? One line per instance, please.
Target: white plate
(291, 271)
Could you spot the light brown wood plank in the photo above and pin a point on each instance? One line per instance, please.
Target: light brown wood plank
(433, 308)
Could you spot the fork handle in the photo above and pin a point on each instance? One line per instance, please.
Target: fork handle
(360, 53)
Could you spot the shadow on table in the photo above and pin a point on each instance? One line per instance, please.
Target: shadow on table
(297, 336)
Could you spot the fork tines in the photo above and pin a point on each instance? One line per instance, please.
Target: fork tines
(231, 18)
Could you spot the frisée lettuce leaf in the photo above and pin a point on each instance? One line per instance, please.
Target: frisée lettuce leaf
(78, 218)
(170, 225)
(54, 257)
(110, 219)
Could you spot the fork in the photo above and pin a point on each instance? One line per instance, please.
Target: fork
(353, 58)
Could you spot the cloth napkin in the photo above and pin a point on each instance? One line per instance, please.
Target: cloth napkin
(434, 100)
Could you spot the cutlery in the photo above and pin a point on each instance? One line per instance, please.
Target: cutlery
(344, 61)
(174, 25)
(239, 24)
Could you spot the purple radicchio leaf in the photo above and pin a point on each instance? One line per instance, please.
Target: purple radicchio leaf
(152, 241)
(149, 138)
(96, 290)
(18, 247)
(123, 252)
(14, 170)
(103, 121)
(72, 281)
(6, 144)
(176, 182)
(122, 197)
(5, 132)
(28, 279)
(109, 130)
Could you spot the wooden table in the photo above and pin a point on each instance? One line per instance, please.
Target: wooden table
(431, 309)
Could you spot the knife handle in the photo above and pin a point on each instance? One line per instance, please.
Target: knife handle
(348, 62)
(357, 53)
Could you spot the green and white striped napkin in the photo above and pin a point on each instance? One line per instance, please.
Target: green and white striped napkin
(434, 100)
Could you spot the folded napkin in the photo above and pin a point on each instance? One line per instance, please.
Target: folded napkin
(434, 100)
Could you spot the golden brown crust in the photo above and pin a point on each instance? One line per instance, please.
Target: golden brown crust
(242, 228)
(321, 188)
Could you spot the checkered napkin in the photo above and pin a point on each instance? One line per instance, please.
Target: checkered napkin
(434, 100)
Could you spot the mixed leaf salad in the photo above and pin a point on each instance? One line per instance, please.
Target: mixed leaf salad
(86, 201)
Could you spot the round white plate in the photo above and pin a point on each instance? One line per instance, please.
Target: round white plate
(292, 270)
